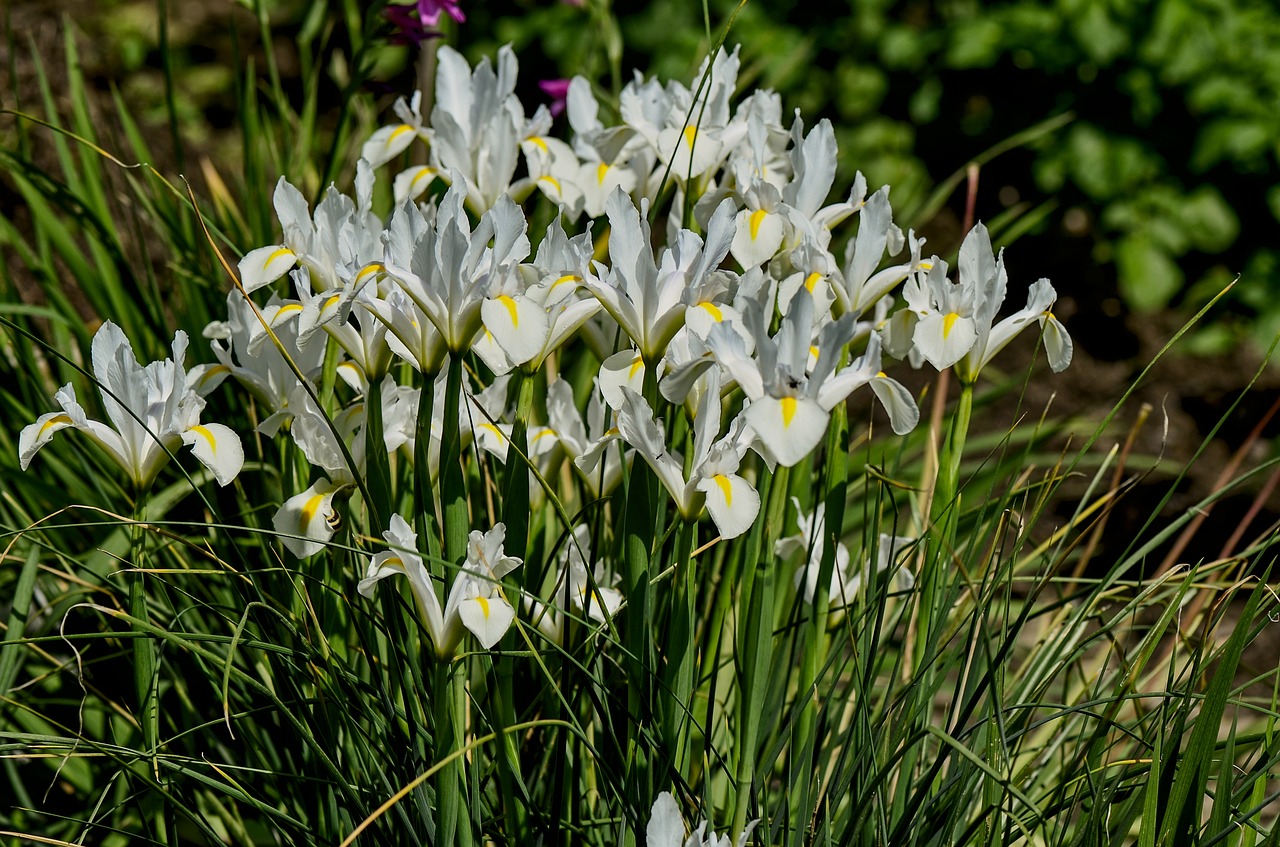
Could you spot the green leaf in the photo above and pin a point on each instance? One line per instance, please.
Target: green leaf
(1149, 278)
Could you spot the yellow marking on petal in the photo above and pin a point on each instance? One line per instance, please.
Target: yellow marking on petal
(712, 309)
(399, 131)
(371, 268)
(284, 310)
(545, 433)
(881, 375)
(1048, 313)
(494, 429)
(635, 367)
(757, 218)
(601, 170)
(309, 510)
(484, 606)
(203, 431)
(811, 280)
(511, 308)
(536, 141)
(948, 322)
(277, 253)
(555, 183)
(813, 350)
(723, 481)
(60, 419)
(334, 299)
(788, 410)
(690, 133)
(396, 560)
(421, 174)
(926, 266)
(574, 278)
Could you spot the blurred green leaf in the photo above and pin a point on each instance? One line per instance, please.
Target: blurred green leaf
(1149, 278)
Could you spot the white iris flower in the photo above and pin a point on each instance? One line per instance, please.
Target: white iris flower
(153, 410)
(475, 601)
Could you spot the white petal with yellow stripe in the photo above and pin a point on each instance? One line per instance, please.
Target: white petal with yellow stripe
(307, 521)
(265, 265)
(218, 448)
(789, 427)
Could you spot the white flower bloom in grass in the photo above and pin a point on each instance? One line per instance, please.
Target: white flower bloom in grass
(954, 323)
(691, 135)
(610, 158)
(477, 124)
(666, 828)
(342, 234)
(647, 297)
(590, 442)
(475, 601)
(791, 402)
(579, 590)
(450, 272)
(153, 410)
(810, 543)
(713, 481)
(245, 352)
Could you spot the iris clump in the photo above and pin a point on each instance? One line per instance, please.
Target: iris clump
(635, 413)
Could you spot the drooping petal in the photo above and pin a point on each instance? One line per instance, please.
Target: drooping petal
(488, 618)
(218, 448)
(36, 435)
(306, 520)
(387, 143)
(789, 427)
(898, 402)
(517, 324)
(944, 339)
(1057, 343)
(265, 265)
(732, 503)
(758, 235)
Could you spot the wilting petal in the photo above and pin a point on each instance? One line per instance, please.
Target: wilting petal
(218, 448)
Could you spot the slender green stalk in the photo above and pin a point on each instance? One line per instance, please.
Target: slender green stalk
(755, 649)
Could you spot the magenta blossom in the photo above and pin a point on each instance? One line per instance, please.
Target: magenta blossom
(430, 11)
(409, 28)
(558, 91)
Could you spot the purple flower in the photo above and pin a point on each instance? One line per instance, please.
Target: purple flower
(558, 91)
(430, 10)
(409, 28)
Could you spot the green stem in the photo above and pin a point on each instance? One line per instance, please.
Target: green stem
(452, 825)
(804, 736)
(755, 621)
(681, 651)
(453, 484)
(425, 518)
